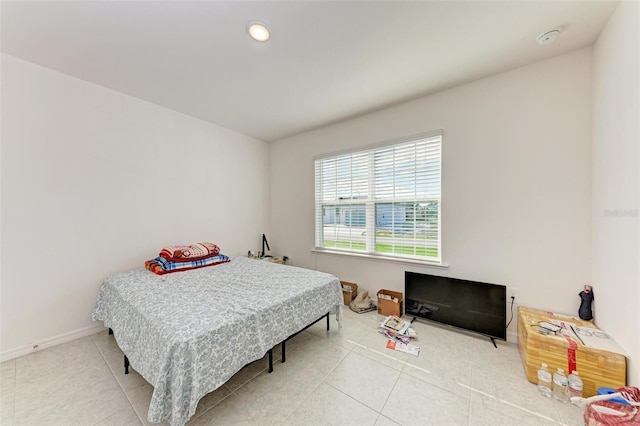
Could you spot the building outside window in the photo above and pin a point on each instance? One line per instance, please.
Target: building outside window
(383, 200)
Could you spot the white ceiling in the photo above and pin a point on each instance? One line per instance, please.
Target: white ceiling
(325, 62)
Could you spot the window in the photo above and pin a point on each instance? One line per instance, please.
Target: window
(382, 201)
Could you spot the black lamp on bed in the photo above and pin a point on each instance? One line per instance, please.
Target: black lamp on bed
(265, 242)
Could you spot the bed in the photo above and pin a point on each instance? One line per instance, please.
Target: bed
(187, 333)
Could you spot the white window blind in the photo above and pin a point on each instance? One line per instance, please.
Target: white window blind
(384, 200)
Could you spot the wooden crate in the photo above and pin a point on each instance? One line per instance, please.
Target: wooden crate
(597, 368)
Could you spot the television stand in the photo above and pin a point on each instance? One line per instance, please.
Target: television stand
(494, 342)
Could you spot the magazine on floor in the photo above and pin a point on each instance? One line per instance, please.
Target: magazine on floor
(403, 347)
(395, 324)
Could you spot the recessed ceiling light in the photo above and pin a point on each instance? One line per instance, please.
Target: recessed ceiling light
(258, 31)
(548, 37)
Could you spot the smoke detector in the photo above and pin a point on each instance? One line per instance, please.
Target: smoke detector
(548, 37)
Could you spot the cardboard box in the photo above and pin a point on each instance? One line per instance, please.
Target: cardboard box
(597, 368)
(390, 303)
(349, 291)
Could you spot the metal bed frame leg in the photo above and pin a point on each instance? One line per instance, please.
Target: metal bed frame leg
(126, 365)
(283, 343)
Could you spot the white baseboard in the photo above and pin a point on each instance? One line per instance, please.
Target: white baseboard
(51, 341)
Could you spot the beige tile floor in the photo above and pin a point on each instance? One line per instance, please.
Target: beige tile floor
(344, 377)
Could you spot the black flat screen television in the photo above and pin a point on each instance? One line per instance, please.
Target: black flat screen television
(469, 305)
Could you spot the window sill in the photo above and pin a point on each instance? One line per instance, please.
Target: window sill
(368, 256)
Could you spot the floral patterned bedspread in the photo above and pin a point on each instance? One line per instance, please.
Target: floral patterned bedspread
(188, 333)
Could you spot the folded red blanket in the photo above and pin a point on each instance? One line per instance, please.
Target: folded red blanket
(191, 252)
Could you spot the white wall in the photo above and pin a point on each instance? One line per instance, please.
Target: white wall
(616, 181)
(95, 182)
(516, 183)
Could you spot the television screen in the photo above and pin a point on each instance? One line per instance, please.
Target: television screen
(469, 305)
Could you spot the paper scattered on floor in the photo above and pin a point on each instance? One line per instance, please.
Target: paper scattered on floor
(403, 347)
(395, 328)
(395, 324)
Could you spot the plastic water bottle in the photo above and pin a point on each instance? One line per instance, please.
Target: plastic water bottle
(575, 384)
(560, 384)
(544, 380)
